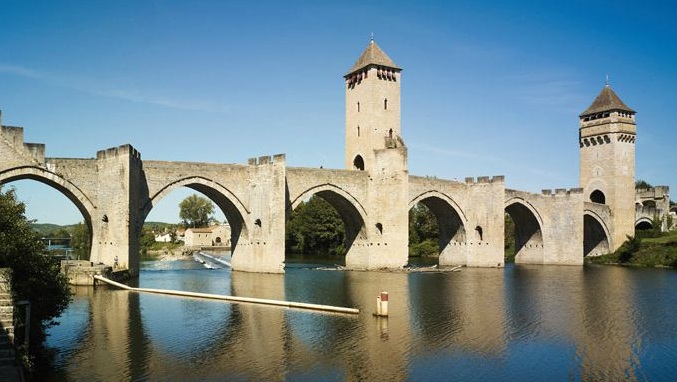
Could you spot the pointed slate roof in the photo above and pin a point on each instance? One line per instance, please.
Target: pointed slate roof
(373, 55)
(607, 100)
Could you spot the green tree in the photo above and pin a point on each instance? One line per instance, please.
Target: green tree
(196, 211)
(509, 234)
(424, 233)
(315, 228)
(81, 241)
(147, 240)
(35, 277)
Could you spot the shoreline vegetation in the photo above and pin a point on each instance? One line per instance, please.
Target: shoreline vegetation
(658, 250)
(167, 253)
(649, 248)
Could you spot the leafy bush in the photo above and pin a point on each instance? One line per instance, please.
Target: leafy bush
(628, 249)
(424, 232)
(425, 248)
(35, 277)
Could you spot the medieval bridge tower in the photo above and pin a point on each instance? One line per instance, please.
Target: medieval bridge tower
(374, 145)
(607, 165)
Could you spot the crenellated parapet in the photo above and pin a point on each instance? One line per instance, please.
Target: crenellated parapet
(119, 151)
(266, 159)
(13, 137)
(561, 192)
(484, 179)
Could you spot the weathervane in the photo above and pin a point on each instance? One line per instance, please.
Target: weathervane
(372, 36)
(607, 80)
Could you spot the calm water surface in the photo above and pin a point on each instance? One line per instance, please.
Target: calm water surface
(517, 323)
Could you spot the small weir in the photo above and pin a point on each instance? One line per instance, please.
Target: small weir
(209, 261)
(288, 304)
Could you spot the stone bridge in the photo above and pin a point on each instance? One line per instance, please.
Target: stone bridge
(116, 190)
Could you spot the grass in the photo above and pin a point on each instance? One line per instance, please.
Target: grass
(670, 237)
(648, 252)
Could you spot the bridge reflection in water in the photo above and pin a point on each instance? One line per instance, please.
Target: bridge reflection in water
(533, 322)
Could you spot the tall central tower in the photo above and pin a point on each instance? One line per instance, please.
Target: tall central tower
(374, 145)
(372, 108)
(607, 140)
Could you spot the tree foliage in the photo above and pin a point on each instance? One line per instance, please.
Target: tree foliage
(315, 228)
(639, 183)
(35, 277)
(424, 232)
(196, 211)
(509, 246)
(81, 241)
(147, 240)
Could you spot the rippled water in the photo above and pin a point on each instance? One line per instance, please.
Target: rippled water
(517, 323)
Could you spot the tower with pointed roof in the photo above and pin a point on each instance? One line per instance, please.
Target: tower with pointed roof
(372, 108)
(607, 161)
(374, 145)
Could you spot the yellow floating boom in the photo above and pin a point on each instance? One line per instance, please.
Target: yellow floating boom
(288, 304)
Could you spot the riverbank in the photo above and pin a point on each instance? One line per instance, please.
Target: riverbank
(659, 252)
(168, 254)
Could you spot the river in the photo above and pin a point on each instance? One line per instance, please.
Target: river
(513, 323)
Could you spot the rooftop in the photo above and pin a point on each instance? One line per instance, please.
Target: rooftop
(607, 100)
(373, 55)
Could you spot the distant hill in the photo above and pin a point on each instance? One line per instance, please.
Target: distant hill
(159, 225)
(47, 228)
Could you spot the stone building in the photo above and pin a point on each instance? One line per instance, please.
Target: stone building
(214, 236)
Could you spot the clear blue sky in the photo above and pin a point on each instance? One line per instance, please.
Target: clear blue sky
(488, 87)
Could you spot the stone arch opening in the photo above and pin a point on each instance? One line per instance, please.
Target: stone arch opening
(81, 202)
(225, 201)
(445, 236)
(358, 163)
(598, 196)
(351, 215)
(643, 224)
(525, 243)
(595, 236)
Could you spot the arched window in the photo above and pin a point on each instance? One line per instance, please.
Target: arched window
(385, 104)
(358, 131)
(358, 107)
(597, 196)
(358, 163)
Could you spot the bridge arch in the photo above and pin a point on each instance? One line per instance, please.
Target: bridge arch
(227, 201)
(595, 235)
(81, 201)
(529, 245)
(351, 211)
(68, 189)
(643, 223)
(451, 222)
